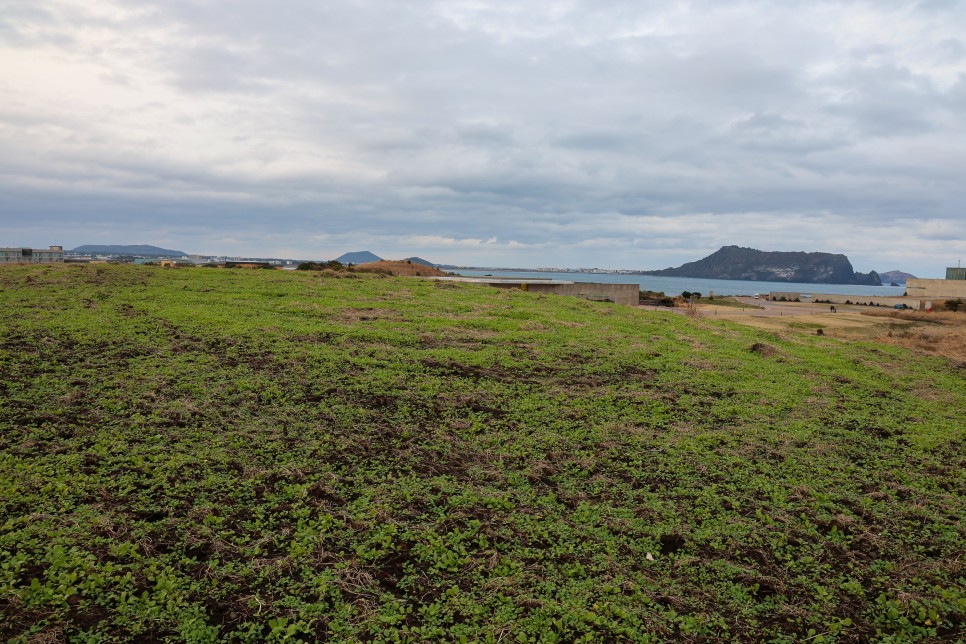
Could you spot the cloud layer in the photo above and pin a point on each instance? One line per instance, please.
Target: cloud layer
(572, 133)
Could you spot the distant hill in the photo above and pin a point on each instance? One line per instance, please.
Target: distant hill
(897, 277)
(118, 249)
(419, 260)
(358, 257)
(737, 263)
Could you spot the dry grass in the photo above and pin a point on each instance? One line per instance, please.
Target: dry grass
(949, 345)
(936, 317)
(400, 268)
(941, 333)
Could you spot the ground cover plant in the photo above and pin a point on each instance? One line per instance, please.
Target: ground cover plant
(213, 455)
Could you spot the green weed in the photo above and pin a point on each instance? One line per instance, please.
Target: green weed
(263, 455)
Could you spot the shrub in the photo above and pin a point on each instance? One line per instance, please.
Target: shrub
(655, 298)
(332, 265)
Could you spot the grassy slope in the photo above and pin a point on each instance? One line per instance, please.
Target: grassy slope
(204, 454)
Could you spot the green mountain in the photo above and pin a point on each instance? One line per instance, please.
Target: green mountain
(358, 257)
(737, 263)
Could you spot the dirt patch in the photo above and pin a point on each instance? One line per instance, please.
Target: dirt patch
(763, 349)
(672, 543)
(367, 314)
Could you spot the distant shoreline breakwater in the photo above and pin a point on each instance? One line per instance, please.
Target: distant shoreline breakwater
(676, 285)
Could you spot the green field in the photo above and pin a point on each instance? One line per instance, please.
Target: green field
(204, 455)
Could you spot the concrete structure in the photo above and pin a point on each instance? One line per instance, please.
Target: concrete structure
(55, 255)
(625, 294)
(948, 289)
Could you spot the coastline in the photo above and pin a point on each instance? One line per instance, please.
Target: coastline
(675, 285)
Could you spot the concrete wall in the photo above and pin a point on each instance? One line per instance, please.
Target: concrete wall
(936, 289)
(53, 255)
(626, 294)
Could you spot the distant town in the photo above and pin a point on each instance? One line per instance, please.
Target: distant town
(145, 254)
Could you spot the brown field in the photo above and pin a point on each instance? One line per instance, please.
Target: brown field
(939, 333)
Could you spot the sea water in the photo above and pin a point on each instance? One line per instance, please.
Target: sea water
(675, 285)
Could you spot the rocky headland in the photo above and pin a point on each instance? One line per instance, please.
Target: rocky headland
(737, 263)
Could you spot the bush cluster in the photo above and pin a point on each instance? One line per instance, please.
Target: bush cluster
(321, 266)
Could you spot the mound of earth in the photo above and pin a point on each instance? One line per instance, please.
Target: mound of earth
(401, 268)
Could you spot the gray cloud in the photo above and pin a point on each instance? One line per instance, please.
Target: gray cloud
(572, 133)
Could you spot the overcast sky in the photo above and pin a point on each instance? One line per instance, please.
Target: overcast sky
(610, 133)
